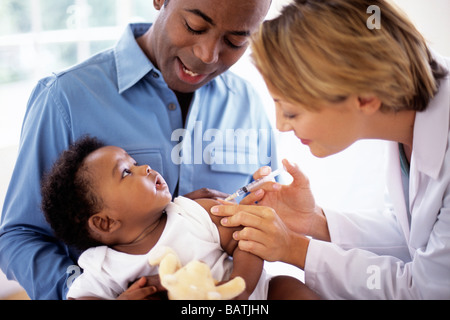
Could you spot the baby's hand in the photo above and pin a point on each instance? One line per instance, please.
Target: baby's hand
(140, 290)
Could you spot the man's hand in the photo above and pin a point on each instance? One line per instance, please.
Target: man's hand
(206, 193)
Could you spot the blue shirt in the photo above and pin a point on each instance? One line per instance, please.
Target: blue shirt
(121, 98)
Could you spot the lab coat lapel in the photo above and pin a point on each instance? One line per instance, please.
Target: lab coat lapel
(431, 132)
(429, 147)
(395, 188)
(430, 140)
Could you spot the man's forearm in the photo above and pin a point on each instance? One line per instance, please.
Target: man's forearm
(43, 272)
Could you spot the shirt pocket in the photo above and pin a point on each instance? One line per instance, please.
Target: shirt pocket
(243, 161)
(152, 157)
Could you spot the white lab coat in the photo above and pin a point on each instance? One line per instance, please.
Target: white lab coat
(377, 255)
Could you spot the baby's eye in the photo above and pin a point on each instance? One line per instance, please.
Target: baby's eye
(125, 173)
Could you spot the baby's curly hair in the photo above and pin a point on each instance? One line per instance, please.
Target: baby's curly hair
(68, 200)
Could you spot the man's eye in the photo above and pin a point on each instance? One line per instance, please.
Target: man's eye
(235, 44)
(125, 173)
(192, 30)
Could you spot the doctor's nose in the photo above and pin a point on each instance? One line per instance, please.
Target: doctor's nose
(283, 125)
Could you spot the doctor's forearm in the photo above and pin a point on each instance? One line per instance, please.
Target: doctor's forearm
(298, 248)
(300, 243)
(319, 226)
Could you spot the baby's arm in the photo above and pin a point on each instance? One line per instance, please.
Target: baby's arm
(246, 265)
(143, 289)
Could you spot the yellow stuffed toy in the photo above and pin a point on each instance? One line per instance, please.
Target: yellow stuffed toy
(193, 281)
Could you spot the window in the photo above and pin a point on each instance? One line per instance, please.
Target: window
(38, 37)
(60, 33)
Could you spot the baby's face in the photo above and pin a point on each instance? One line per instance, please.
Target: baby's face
(135, 194)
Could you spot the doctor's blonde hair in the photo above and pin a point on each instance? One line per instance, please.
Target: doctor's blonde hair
(322, 50)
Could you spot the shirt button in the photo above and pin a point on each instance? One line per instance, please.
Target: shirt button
(172, 106)
(155, 74)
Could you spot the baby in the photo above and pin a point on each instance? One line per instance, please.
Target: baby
(98, 199)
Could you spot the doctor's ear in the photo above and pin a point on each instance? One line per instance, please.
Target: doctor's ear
(369, 104)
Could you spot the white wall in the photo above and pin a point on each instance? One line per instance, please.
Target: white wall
(432, 19)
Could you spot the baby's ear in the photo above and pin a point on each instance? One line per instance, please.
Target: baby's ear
(102, 225)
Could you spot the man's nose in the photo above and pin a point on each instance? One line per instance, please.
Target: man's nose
(208, 51)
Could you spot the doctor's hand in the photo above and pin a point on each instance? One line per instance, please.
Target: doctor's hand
(293, 203)
(264, 233)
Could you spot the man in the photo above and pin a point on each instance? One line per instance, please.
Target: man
(162, 94)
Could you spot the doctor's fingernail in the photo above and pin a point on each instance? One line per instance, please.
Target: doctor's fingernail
(277, 186)
(259, 192)
(224, 221)
(214, 209)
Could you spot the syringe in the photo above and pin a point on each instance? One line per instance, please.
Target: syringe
(255, 184)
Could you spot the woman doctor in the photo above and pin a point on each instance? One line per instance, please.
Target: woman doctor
(335, 81)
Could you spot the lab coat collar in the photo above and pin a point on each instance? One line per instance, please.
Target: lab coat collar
(131, 62)
(431, 129)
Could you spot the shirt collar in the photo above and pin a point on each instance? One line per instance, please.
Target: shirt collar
(431, 128)
(131, 62)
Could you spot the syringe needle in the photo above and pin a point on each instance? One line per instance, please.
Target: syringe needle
(253, 185)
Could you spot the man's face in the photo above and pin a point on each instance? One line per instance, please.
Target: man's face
(193, 41)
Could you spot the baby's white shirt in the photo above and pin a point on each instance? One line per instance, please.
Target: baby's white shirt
(189, 231)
